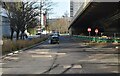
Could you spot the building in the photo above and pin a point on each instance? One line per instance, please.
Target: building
(5, 23)
(103, 16)
(74, 6)
(42, 24)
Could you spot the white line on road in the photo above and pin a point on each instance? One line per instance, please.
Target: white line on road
(2, 64)
(77, 66)
(58, 53)
(16, 52)
(115, 71)
(74, 67)
(11, 58)
(10, 54)
(45, 56)
(53, 53)
(1, 72)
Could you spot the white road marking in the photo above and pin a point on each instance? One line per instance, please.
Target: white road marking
(14, 55)
(46, 56)
(115, 71)
(11, 58)
(57, 53)
(53, 53)
(74, 67)
(66, 66)
(77, 66)
(2, 64)
(16, 52)
(1, 71)
(116, 47)
(10, 54)
(83, 45)
(41, 52)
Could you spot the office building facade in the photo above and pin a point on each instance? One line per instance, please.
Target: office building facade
(74, 7)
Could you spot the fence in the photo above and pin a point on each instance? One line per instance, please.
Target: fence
(99, 39)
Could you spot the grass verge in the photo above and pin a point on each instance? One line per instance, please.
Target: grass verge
(11, 46)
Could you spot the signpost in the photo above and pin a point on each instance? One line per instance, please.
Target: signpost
(101, 34)
(96, 31)
(89, 30)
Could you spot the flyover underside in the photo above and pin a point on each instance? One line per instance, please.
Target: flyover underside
(104, 16)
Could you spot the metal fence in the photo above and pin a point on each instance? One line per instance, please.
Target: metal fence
(99, 39)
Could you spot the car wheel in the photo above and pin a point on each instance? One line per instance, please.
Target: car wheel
(51, 42)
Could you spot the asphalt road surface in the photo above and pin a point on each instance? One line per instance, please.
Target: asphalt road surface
(69, 57)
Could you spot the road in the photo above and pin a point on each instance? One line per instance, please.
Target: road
(71, 56)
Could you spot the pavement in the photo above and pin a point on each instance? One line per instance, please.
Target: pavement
(71, 56)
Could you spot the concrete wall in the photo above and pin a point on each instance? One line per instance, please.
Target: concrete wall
(105, 20)
(74, 6)
(1, 42)
(84, 4)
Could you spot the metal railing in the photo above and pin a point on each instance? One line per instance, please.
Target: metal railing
(99, 39)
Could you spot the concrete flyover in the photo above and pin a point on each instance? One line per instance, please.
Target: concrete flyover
(104, 16)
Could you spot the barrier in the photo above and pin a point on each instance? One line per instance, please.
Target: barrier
(98, 39)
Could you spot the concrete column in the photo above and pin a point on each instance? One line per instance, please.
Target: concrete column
(1, 32)
(1, 42)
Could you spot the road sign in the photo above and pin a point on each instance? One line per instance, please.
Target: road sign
(89, 29)
(96, 30)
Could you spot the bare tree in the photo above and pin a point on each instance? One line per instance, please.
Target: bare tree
(60, 25)
(11, 13)
(22, 14)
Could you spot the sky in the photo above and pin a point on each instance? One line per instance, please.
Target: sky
(60, 7)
